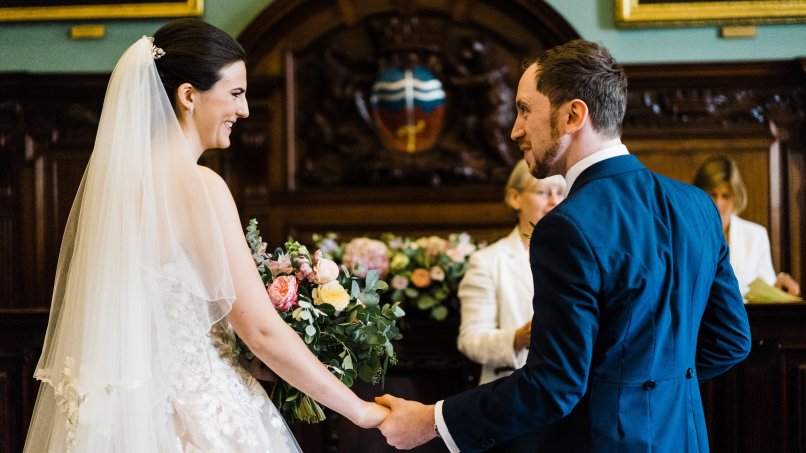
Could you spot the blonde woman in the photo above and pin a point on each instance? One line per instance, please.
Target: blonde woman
(496, 292)
(749, 244)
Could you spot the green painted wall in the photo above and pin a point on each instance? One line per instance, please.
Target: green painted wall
(46, 47)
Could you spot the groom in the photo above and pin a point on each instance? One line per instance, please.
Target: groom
(635, 300)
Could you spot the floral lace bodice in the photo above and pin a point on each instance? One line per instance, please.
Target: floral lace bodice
(217, 406)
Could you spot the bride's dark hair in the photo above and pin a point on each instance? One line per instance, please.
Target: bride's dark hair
(195, 52)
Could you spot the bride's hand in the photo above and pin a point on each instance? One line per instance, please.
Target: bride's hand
(373, 415)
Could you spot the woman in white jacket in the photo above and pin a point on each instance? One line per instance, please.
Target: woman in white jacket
(496, 291)
(749, 244)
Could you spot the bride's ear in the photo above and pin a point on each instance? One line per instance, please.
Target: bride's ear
(185, 96)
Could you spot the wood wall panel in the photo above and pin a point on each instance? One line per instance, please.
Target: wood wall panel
(7, 413)
(8, 285)
(21, 336)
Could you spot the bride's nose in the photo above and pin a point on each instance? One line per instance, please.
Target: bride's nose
(243, 108)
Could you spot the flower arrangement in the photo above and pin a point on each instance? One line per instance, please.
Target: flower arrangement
(424, 273)
(337, 313)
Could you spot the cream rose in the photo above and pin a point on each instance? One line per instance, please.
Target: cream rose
(325, 271)
(331, 293)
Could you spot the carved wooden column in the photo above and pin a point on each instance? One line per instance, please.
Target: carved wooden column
(787, 122)
(11, 150)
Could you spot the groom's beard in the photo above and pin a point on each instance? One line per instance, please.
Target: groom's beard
(545, 165)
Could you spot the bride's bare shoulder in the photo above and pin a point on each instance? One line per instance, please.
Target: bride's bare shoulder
(215, 184)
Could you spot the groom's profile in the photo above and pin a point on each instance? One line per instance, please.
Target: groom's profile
(635, 301)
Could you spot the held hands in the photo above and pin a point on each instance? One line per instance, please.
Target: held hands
(372, 416)
(785, 282)
(523, 336)
(410, 423)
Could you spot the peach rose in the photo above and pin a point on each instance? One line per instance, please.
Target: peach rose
(283, 292)
(420, 277)
(331, 293)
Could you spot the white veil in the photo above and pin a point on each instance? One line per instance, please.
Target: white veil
(142, 216)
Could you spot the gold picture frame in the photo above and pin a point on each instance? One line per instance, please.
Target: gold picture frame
(97, 9)
(681, 13)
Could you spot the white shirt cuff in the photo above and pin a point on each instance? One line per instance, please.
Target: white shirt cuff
(443, 428)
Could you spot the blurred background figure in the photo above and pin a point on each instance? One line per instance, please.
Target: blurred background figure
(496, 292)
(749, 244)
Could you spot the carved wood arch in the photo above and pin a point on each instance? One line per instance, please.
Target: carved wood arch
(312, 143)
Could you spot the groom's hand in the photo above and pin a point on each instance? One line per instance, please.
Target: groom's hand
(410, 424)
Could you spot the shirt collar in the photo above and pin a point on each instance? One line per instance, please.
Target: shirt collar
(598, 156)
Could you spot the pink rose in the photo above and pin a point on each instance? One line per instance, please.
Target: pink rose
(420, 278)
(400, 282)
(283, 292)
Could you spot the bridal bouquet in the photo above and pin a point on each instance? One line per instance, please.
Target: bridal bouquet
(336, 311)
(424, 273)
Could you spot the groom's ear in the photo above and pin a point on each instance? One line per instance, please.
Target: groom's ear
(185, 97)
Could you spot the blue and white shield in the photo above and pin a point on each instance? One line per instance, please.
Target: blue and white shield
(408, 107)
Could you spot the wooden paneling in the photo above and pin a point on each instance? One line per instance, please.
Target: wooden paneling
(21, 336)
(758, 406)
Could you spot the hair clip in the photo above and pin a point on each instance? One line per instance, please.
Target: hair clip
(157, 52)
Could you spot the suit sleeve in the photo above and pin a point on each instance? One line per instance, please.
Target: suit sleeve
(567, 278)
(724, 335)
(480, 337)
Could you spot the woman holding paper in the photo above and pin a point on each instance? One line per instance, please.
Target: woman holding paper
(749, 244)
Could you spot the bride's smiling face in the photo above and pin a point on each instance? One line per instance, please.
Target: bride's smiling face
(216, 110)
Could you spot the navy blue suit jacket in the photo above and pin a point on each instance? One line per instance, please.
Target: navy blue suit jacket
(635, 301)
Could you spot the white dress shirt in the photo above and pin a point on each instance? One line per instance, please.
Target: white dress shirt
(598, 156)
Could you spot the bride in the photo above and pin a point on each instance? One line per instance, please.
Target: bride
(154, 274)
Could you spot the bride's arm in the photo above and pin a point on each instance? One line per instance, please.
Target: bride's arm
(268, 337)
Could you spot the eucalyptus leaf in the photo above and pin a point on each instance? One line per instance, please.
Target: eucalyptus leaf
(347, 363)
(426, 302)
(372, 279)
(439, 313)
(369, 298)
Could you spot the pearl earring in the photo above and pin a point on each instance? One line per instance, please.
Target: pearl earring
(191, 110)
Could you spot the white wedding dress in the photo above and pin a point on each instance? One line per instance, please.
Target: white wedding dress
(216, 405)
(138, 355)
